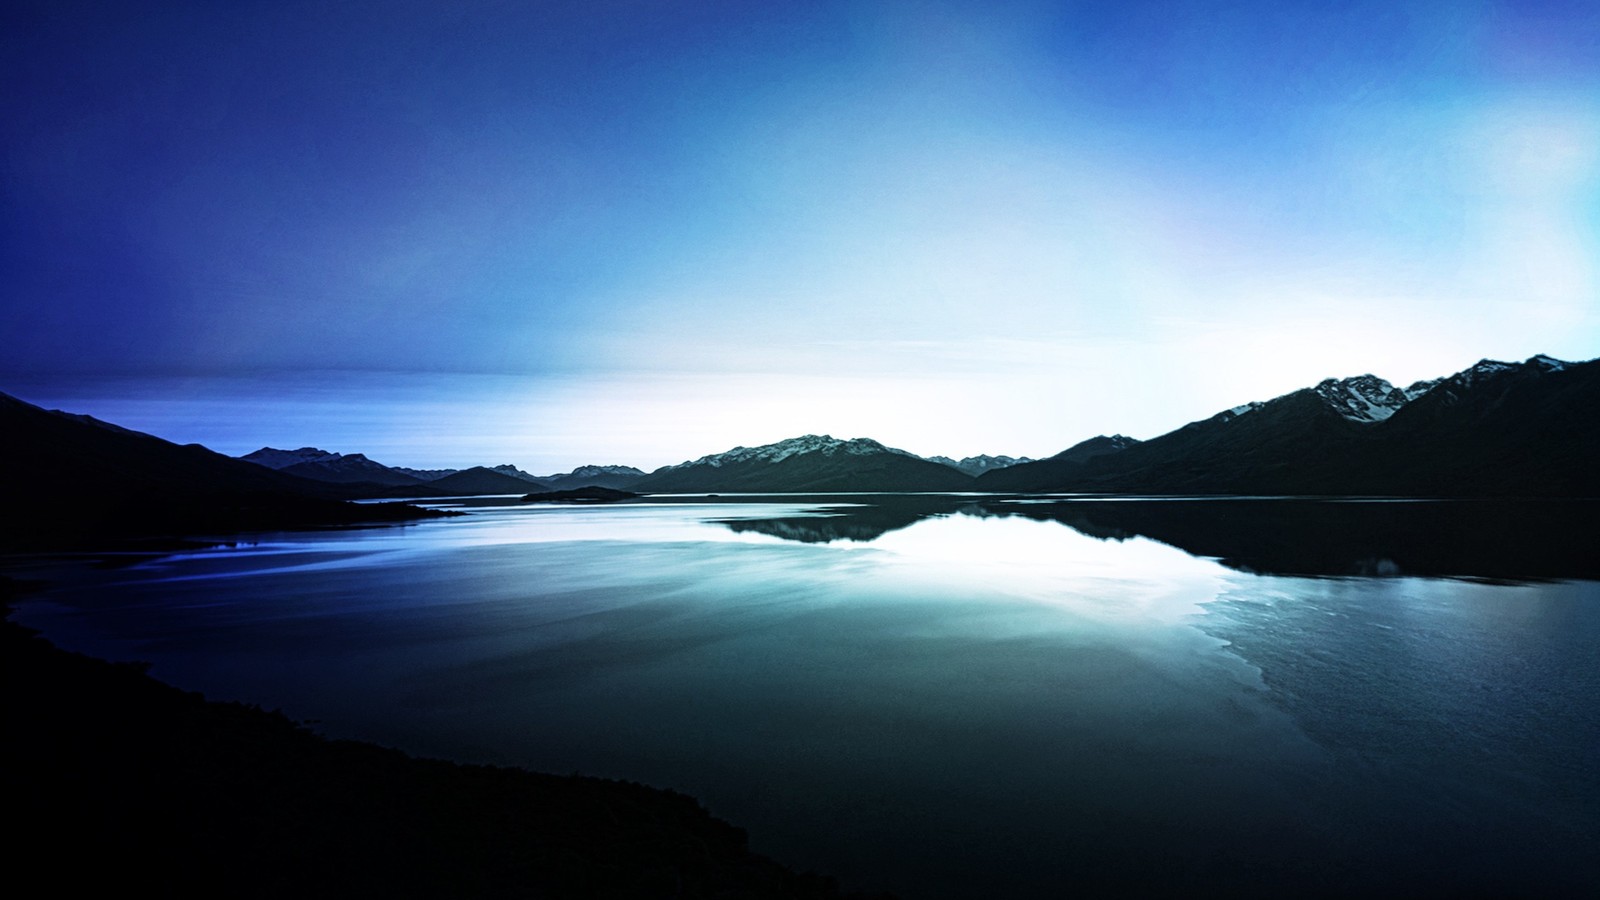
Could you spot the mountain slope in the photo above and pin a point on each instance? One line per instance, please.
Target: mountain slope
(977, 465)
(481, 480)
(72, 479)
(808, 464)
(1496, 429)
(1100, 445)
(1510, 429)
(352, 468)
(514, 472)
(335, 468)
(616, 477)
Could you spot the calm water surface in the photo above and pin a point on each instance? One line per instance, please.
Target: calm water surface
(934, 696)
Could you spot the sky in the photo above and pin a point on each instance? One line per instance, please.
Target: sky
(630, 232)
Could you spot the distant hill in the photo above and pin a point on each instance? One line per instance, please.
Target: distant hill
(480, 480)
(424, 474)
(351, 469)
(365, 477)
(1100, 445)
(274, 458)
(977, 465)
(1496, 429)
(514, 472)
(373, 479)
(812, 463)
(616, 477)
(71, 479)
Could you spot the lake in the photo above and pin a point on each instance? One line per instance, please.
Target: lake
(954, 696)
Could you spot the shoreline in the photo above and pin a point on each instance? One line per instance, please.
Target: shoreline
(115, 780)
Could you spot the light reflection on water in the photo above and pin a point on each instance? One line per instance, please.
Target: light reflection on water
(965, 705)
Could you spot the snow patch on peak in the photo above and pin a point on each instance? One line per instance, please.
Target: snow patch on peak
(1364, 398)
(826, 444)
(977, 465)
(1417, 389)
(1493, 368)
(606, 470)
(1228, 415)
(513, 471)
(1485, 367)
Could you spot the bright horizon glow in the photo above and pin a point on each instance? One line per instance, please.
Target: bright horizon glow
(638, 232)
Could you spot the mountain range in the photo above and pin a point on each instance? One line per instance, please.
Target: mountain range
(73, 479)
(808, 464)
(373, 479)
(1495, 429)
(977, 465)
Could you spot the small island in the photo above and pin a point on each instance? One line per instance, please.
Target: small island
(591, 494)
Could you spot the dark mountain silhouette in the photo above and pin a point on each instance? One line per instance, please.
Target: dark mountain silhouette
(1100, 445)
(977, 465)
(481, 480)
(1497, 429)
(367, 478)
(424, 474)
(273, 458)
(618, 477)
(514, 472)
(73, 479)
(352, 468)
(812, 464)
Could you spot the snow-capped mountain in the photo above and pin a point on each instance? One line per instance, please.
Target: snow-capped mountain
(1367, 398)
(825, 444)
(1495, 428)
(424, 474)
(977, 465)
(514, 472)
(593, 471)
(1486, 369)
(1364, 398)
(615, 477)
(811, 462)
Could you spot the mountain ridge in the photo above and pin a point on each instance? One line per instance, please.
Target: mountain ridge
(809, 463)
(1363, 436)
(74, 480)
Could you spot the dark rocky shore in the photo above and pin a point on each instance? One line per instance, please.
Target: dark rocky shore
(117, 783)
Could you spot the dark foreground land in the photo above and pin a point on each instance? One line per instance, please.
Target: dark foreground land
(115, 783)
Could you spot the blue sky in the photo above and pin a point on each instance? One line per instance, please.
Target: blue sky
(554, 234)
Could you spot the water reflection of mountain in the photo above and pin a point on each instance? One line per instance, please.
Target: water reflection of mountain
(1502, 540)
(1512, 540)
(864, 519)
